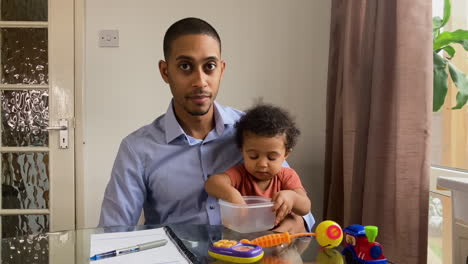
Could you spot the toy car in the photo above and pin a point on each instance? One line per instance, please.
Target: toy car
(360, 245)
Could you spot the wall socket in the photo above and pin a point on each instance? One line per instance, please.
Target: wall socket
(108, 38)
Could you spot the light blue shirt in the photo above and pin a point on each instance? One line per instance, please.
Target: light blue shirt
(163, 170)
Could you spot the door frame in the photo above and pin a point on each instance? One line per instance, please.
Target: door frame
(80, 81)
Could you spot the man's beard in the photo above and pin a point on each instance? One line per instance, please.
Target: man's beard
(193, 113)
(199, 92)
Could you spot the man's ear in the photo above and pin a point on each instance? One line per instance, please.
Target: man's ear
(223, 66)
(163, 70)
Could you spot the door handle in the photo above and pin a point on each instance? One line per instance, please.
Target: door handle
(56, 128)
(63, 132)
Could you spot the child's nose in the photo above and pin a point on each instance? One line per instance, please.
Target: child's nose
(262, 163)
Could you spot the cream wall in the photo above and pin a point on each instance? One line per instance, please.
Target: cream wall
(274, 49)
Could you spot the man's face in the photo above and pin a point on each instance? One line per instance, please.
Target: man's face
(193, 71)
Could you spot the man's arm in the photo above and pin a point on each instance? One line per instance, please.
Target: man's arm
(125, 192)
(220, 186)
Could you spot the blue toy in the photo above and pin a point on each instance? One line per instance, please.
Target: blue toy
(360, 245)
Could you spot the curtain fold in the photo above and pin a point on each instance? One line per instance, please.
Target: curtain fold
(379, 107)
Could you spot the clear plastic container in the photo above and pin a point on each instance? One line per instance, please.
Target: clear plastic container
(255, 216)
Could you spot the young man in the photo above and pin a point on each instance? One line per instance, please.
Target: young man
(162, 167)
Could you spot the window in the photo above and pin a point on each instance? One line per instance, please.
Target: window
(449, 145)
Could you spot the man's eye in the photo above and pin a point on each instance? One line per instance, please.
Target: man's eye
(211, 66)
(185, 66)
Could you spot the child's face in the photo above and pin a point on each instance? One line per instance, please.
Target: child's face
(263, 156)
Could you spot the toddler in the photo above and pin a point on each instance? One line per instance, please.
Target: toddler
(265, 135)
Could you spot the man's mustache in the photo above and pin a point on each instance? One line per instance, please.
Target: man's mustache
(198, 93)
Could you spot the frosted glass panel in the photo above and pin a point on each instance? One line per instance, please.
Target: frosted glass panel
(25, 180)
(24, 115)
(24, 10)
(27, 249)
(24, 56)
(21, 225)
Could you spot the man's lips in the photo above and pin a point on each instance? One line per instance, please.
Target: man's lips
(199, 99)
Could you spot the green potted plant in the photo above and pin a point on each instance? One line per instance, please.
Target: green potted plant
(443, 41)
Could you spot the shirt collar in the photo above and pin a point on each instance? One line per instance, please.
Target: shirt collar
(174, 130)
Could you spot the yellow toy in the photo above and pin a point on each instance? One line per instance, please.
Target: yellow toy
(328, 235)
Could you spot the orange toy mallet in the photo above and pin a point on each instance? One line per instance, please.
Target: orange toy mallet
(328, 234)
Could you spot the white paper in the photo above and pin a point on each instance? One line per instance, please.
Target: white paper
(168, 253)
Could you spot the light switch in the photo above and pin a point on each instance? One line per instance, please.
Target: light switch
(108, 38)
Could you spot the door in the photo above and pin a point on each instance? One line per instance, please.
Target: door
(37, 114)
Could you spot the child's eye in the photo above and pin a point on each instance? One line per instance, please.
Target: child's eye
(271, 158)
(253, 157)
(185, 66)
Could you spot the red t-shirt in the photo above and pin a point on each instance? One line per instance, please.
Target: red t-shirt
(244, 182)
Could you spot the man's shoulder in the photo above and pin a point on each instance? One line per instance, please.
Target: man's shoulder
(151, 131)
(232, 110)
(228, 112)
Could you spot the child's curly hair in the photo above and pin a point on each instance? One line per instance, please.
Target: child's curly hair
(269, 121)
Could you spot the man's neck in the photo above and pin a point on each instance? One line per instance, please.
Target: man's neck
(196, 126)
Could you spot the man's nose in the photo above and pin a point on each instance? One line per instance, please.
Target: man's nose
(199, 79)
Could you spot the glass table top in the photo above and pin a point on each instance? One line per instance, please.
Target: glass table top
(74, 246)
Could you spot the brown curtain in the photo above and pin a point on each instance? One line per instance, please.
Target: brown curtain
(379, 107)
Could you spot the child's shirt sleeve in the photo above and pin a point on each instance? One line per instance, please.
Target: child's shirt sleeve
(235, 174)
(290, 179)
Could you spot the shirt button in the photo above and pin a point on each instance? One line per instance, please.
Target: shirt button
(212, 207)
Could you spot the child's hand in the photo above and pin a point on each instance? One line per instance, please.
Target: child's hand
(284, 201)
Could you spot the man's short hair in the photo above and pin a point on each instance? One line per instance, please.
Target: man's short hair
(188, 26)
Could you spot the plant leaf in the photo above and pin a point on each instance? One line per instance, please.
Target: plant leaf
(450, 51)
(461, 101)
(459, 78)
(464, 43)
(435, 35)
(445, 38)
(436, 23)
(440, 82)
(447, 11)
(461, 82)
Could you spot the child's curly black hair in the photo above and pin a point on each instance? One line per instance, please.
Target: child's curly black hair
(269, 121)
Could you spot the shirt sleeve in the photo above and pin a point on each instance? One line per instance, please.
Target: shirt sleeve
(235, 174)
(290, 180)
(309, 221)
(126, 190)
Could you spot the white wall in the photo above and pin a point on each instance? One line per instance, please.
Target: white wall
(274, 49)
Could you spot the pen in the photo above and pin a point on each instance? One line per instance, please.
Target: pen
(127, 250)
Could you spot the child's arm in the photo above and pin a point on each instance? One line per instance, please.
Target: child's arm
(220, 186)
(288, 201)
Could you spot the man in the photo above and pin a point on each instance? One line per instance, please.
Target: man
(162, 167)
